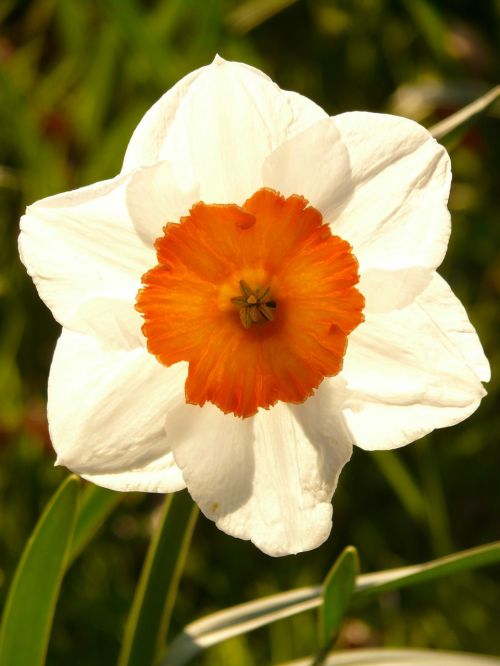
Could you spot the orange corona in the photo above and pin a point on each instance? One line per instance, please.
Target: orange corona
(259, 299)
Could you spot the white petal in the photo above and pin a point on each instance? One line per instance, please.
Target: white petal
(269, 478)
(82, 245)
(315, 164)
(106, 413)
(391, 290)
(217, 126)
(154, 198)
(159, 476)
(412, 370)
(449, 315)
(397, 216)
(113, 321)
(146, 143)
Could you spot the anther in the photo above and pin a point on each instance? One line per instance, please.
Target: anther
(255, 305)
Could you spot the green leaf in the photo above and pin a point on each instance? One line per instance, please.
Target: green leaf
(30, 606)
(253, 13)
(458, 119)
(395, 579)
(402, 482)
(431, 24)
(213, 629)
(338, 588)
(95, 506)
(147, 625)
(240, 619)
(401, 657)
(337, 591)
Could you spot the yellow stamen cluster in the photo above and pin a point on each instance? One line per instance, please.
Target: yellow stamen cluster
(255, 305)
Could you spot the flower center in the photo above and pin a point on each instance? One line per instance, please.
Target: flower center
(256, 305)
(259, 299)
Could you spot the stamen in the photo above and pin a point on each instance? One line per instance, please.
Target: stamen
(255, 308)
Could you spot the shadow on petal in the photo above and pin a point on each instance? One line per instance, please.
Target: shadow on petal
(215, 453)
(386, 290)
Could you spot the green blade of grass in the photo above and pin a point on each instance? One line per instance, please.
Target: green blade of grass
(30, 606)
(431, 24)
(147, 625)
(253, 13)
(401, 657)
(337, 591)
(456, 120)
(95, 506)
(338, 588)
(240, 619)
(402, 482)
(395, 579)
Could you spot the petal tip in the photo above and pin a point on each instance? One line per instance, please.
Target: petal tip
(219, 60)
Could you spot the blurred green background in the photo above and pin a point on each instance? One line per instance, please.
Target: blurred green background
(75, 78)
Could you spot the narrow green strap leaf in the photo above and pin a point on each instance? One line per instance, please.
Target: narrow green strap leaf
(402, 482)
(431, 24)
(95, 506)
(337, 591)
(253, 13)
(243, 618)
(30, 606)
(338, 588)
(147, 625)
(240, 619)
(395, 579)
(446, 126)
(401, 657)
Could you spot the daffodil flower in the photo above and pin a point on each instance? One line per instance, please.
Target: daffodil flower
(252, 295)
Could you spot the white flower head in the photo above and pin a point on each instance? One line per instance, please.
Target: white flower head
(253, 294)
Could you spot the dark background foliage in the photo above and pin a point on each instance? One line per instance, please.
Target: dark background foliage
(75, 78)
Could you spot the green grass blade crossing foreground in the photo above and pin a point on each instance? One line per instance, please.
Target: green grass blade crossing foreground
(208, 631)
(31, 602)
(147, 625)
(338, 589)
(95, 506)
(401, 657)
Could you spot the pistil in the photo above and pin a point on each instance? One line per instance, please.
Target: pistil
(256, 306)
